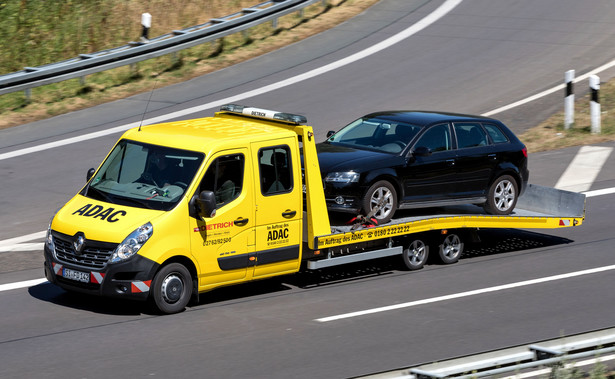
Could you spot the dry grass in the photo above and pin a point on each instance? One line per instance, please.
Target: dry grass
(71, 95)
(551, 133)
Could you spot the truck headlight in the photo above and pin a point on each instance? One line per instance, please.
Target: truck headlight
(132, 244)
(49, 239)
(342, 177)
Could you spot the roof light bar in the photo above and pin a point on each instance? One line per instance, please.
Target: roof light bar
(264, 113)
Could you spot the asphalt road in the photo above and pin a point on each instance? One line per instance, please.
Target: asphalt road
(481, 55)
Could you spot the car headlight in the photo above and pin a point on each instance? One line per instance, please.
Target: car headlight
(133, 243)
(342, 177)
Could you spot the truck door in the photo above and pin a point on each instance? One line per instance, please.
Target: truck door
(278, 197)
(224, 244)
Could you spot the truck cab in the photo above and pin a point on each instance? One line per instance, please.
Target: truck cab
(181, 208)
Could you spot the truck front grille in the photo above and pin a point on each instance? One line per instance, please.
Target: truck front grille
(94, 255)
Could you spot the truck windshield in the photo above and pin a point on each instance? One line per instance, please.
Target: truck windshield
(143, 175)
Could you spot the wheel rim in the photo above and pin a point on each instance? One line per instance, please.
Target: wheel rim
(172, 288)
(451, 246)
(504, 195)
(384, 197)
(416, 252)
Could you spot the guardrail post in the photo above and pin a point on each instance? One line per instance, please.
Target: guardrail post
(28, 93)
(146, 22)
(594, 85)
(569, 100)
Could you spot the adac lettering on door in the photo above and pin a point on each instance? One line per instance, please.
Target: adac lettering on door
(100, 212)
(278, 234)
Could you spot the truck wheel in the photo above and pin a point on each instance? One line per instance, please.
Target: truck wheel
(415, 255)
(383, 193)
(172, 288)
(502, 196)
(450, 249)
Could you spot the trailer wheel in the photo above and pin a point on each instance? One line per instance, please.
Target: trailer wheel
(450, 249)
(172, 288)
(502, 196)
(415, 255)
(380, 193)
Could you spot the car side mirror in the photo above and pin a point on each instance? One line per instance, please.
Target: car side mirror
(330, 133)
(422, 151)
(206, 204)
(89, 174)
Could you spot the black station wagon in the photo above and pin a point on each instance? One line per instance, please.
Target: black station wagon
(393, 160)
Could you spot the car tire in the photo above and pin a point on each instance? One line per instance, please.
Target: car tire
(415, 255)
(381, 191)
(502, 196)
(172, 288)
(451, 249)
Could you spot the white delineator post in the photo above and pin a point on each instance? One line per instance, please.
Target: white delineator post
(594, 86)
(146, 22)
(569, 99)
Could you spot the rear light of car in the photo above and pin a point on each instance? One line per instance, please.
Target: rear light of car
(524, 150)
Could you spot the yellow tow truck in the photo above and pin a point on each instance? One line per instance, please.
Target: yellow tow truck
(180, 208)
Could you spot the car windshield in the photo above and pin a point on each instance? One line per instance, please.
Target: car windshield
(376, 134)
(144, 175)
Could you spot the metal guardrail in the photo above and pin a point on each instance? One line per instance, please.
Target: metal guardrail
(550, 354)
(134, 52)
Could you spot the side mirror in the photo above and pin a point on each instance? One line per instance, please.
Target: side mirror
(422, 151)
(206, 204)
(89, 175)
(330, 133)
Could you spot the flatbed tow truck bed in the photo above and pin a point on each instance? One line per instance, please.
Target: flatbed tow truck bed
(538, 208)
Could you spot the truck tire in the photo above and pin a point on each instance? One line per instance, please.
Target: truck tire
(451, 249)
(172, 288)
(502, 196)
(415, 255)
(381, 191)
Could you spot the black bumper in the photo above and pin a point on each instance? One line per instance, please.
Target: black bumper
(128, 280)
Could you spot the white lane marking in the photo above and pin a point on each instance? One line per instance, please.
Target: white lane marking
(22, 243)
(22, 247)
(434, 16)
(560, 87)
(465, 294)
(24, 284)
(584, 168)
(606, 191)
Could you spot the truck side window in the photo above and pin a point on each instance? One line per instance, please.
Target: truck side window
(224, 178)
(275, 170)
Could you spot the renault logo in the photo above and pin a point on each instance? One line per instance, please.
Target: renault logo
(78, 243)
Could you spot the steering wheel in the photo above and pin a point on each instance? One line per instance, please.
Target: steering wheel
(181, 184)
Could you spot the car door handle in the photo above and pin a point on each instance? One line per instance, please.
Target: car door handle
(241, 221)
(289, 213)
(492, 156)
(450, 162)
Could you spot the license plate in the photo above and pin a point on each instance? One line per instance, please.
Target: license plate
(79, 276)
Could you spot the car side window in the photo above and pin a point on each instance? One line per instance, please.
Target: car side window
(470, 135)
(275, 170)
(224, 178)
(496, 134)
(436, 138)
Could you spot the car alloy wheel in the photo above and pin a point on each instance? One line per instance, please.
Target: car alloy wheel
(380, 201)
(502, 196)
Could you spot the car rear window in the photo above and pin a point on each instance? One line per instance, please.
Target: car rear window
(496, 134)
